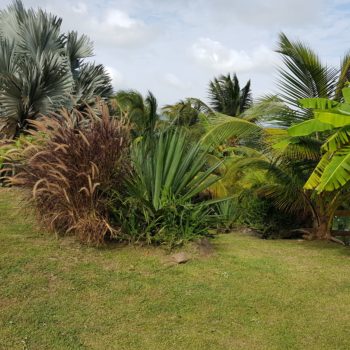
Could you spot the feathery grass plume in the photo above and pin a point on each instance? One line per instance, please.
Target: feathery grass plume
(72, 174)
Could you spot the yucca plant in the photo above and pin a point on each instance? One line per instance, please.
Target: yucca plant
(73, 173)
(170, 174)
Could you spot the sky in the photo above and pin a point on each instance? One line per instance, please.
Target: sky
(175, 47)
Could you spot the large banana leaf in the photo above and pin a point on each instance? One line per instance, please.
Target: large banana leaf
(337, 119)
(309, 127)
(332, 174)
(337, 140)
(317, 103)
(315, 178)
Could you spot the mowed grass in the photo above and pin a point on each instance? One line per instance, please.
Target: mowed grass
(250, 294)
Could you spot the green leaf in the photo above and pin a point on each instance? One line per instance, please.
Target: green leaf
(337, 173)
(309, 127)
(315, 178)
(337, 140)
(338, 120)
(317, 103)
(223, 127)
(344, 108)
(346, 94)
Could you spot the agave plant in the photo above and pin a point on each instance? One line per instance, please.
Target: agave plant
(169, 176)
(42, 69)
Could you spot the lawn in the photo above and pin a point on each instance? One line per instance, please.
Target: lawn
(249, 294)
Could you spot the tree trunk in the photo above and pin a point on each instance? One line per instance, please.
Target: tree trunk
(322, 228)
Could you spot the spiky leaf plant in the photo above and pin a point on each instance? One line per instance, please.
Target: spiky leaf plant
(170, 174)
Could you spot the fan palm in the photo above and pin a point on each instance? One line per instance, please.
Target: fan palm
(41, 69)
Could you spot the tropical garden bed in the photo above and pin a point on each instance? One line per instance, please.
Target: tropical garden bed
(133, 199)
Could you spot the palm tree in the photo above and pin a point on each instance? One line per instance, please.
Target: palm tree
(141, 112)
(227, 97)
(42, 69)
(183, 113)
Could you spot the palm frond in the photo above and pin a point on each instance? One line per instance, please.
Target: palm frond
(304, 75)
(227, 97)
(78, 48)
(223, 127)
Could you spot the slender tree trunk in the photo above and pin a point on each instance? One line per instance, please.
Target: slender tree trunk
(322, 228)
(323, 217)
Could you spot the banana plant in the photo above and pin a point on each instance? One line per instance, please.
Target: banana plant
(333, 119)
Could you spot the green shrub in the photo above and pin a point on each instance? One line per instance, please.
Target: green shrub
(163, 205)
(246, 209)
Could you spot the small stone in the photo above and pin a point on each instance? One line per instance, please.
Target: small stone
(180, 258)
(205, 247)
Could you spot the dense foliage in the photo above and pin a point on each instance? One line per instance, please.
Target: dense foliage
(279, 164)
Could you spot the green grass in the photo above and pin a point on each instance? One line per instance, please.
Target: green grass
(251, 294)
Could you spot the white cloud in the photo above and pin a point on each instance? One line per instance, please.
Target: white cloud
(214, 55)
(80, 8)
(116, 28)
(120, 19)
(116, 76)
(172, 80)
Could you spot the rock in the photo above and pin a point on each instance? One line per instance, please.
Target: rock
(205, 247)
(180, 258)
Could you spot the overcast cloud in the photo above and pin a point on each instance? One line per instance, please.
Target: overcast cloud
(174, 47)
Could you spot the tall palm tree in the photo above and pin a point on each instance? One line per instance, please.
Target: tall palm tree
(227, 97)
(42, 69)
